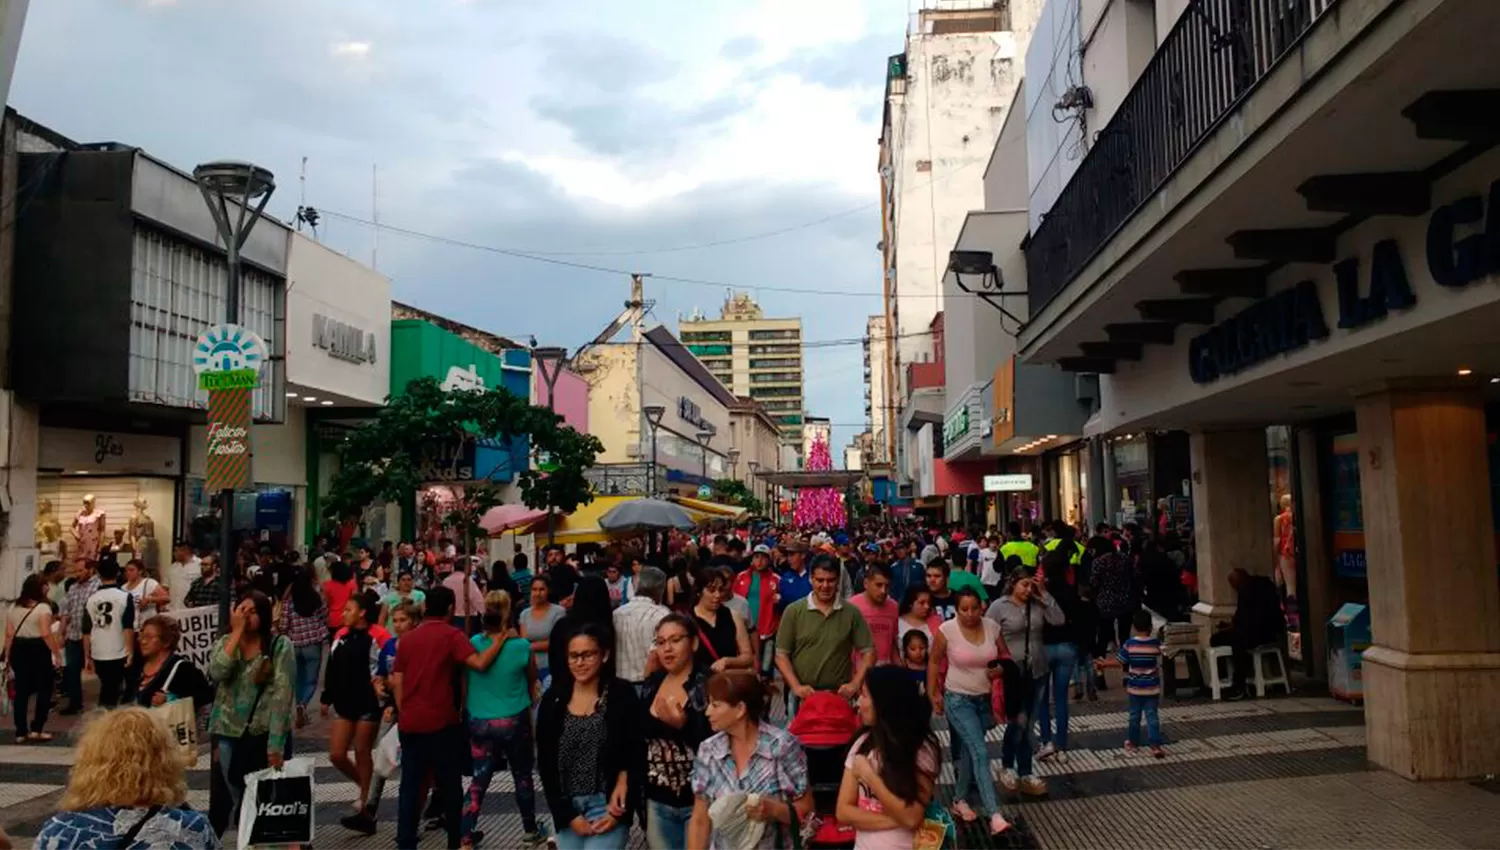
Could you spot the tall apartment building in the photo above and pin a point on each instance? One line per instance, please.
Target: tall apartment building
(946, 98)
(754, 357)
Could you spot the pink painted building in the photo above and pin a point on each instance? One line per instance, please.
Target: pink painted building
(571, 397)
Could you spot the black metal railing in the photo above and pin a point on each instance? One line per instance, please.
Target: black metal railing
(1215, 55)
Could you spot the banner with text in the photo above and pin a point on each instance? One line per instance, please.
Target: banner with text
(228, 463)
(199, 628)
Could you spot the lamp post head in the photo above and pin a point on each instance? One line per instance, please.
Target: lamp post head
(704, 438)
(654, 413)
(734, 455)
(549, 353)
(241, 181)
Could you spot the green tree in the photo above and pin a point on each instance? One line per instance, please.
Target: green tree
(421, 435)
(730, 491)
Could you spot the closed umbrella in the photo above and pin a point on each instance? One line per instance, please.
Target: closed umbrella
(645, 515)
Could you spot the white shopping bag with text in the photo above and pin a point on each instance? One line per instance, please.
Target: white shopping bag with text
(278, 806)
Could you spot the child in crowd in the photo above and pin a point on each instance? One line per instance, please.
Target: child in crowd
(914, 657)
(1141, 659)
(619, 585)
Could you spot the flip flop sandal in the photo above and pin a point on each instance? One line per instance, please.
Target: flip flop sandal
(962, 811)
(42, 738)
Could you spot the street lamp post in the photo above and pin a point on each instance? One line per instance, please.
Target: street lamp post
(236, 194)
(704, 438)
(654, 413)
(734, 463)
(754, 487)
(556, 356)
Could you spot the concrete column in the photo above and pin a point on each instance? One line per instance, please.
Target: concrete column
(1315, 566)
(1098, 496)
(1432, 677)
(1111, 486)
(1232, 520)
(20, 426)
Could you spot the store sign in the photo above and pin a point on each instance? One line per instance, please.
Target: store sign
(227, 466)
(1017, 483)
(227, 357)
(70, 450)
(1293, 318)
(956, 426)
(447, 462)
(342, 341)
(460, 378)
(690, 413)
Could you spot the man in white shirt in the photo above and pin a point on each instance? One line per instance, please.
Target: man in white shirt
(109, 633)
(185, 567)
(468, 600)
(635, 625)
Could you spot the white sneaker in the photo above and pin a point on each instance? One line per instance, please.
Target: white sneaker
(1009, 781)
(1061, 757)
(1046, 752)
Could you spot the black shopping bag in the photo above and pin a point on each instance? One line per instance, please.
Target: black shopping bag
(278, 806)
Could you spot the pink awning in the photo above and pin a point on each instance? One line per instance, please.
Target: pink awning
(503, 518)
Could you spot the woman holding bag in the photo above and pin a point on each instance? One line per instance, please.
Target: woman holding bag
(251, 718)
(1021, 613)
(973, 647)
(160, 674)
(723, 642)
(33, 650)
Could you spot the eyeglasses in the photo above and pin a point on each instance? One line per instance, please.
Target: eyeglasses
(581, 657)
(674, 640)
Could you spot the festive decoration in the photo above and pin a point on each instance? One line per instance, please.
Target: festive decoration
(819, 506)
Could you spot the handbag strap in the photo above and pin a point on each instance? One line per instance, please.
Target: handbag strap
(129, 837)
(166, 687)
(703, 638)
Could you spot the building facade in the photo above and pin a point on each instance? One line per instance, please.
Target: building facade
(1297, 268)
(947, 96)
(757, 436)
(688, 449)
(753, 356)
(878, 408)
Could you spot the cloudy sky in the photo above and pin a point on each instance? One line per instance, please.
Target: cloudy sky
(601, 132)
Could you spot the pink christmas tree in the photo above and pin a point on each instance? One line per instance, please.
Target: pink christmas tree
(819, 506)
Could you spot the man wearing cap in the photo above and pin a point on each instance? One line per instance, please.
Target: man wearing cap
(759, 586)
(794, 582)
(819, 637)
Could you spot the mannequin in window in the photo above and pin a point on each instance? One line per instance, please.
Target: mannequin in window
(49, 533)
(88, 530)
(1286, 548)
(143, 536)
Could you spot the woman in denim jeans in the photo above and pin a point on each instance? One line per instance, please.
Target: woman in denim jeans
(586, 742)
(973, 646)
(1021, 613)
(303, 616)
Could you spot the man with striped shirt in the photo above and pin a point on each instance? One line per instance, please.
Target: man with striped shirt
(1141, 658)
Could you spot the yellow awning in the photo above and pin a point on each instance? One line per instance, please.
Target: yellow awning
(702, 511)
(582, 525)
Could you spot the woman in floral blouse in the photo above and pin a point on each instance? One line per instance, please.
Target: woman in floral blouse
(750, 757)
(252, 713)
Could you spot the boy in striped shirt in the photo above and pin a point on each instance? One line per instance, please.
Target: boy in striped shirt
(1141, 659)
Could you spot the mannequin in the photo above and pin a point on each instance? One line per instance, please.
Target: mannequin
(143, 536)
(48, 532)
(1286, 548)
(88, 530)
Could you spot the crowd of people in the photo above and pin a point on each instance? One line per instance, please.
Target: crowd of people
(636, 687)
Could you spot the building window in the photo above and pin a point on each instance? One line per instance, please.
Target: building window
(706, 336)
(710, 350)
(778, 334)
(777, 363)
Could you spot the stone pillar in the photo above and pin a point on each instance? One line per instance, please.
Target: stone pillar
(1098, 496)
(1432, 676)
(1232, 520)
(1111, 486)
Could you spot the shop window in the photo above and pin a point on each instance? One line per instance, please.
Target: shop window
(137, 511)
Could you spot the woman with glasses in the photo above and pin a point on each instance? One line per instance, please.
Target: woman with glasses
(586, 744)
(673, 724)
(160, 674)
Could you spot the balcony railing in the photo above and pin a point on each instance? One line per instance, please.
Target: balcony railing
(1215, 55)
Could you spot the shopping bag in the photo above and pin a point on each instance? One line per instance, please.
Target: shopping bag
(181, 718)
(388, 754)
(938, 831)
(278, 806)
(7, 689)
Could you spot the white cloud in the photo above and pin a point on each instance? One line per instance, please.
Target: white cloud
(348, 48)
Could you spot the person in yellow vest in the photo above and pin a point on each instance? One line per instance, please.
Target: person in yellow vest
(1065, 539)
(1015, 546)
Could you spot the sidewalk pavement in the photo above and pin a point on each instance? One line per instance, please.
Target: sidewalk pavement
(1284, 772)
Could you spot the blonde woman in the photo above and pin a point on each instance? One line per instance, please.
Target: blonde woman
(127, 790)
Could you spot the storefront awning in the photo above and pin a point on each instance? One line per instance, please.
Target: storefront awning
(839, 478)
(582, 525)
(702, 511)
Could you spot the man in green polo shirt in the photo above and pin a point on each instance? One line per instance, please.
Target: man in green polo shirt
(817, 640)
